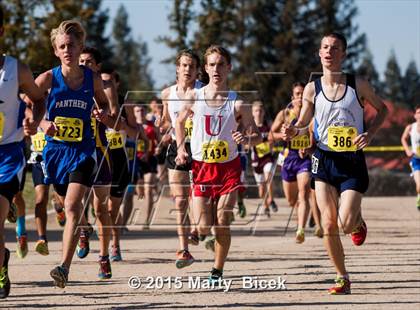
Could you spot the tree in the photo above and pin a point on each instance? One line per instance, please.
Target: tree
(367, 70)
(20, 29)
(179, 22)
(275, 36)
(392, 84)
(411, 85)
(131, 59)
(95, 24)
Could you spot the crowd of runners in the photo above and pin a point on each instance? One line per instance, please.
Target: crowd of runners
(98, 149)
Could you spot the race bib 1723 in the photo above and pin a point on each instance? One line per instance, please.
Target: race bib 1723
(69, 129)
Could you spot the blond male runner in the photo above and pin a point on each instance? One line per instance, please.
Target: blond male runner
(187, 66)
(338, 164)
(216, 168)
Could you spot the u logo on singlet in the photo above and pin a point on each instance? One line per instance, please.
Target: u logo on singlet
(208, 124)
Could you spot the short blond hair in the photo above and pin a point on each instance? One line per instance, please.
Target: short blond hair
(257, 104)
(219, 50)
(69, 27)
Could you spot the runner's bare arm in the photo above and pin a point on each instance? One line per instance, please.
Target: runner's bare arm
(28, 86)
(102, 110)
(186, 110)
(243, 113)
(111, 93)
(275, 133)
(366, 92)
(165, 121)
(306, 113)
(404, 141)
(44, 82)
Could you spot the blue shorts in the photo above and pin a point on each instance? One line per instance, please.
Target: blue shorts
(415, 164)
(62, 159)
(12, 164)
(12, 161)
(343, 170)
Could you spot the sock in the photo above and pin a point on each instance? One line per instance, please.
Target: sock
(102, 258)
(20, 226)
(43, 237)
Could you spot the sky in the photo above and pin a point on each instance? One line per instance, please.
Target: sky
(388, 25)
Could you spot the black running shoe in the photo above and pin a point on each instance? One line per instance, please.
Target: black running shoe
(4, 276)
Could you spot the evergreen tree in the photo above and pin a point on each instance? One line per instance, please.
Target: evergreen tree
(95, 24)
(131, 59)
(393, 81)
(368, 71)
(411, 85)
(179, 22)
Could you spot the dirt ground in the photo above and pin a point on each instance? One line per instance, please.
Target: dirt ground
(385, 271)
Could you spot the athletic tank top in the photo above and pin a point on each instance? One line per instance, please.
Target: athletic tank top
(174, 106)
(263, 149)
(338, 122)
(301, 141)
(211, 139)
(71, 110)
(12, 110)
(415, 140)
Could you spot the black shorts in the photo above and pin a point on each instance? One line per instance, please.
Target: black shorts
(22, 182)
(37, 174)
(83, 174)
(343, 170)
(172, 153)
(10, 189)
(120, 174)
(103, 173)
(148, 167)
(161, 157)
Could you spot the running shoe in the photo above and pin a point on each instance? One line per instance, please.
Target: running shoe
(104, 269)
(209, 242)
(358, 235)
(60, 275)
(193, 238)
(300, 235)
(342, 287)
(273, 206)
(267, 212)
(116, 254)
(83, 248)
(90, 229)
(319, 232)
(42, 247)
(215, 275)
(12, 215)
(61, 218)
(4, 276)
(312, 221)
(241, 210)
(183, 259)
(22, 246)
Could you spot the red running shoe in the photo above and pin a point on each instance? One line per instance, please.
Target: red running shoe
(342, 287)
(358, 235)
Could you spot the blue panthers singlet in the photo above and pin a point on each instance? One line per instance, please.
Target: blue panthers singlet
(71, 111)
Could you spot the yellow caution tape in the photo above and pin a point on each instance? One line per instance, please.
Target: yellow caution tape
(394, 148)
